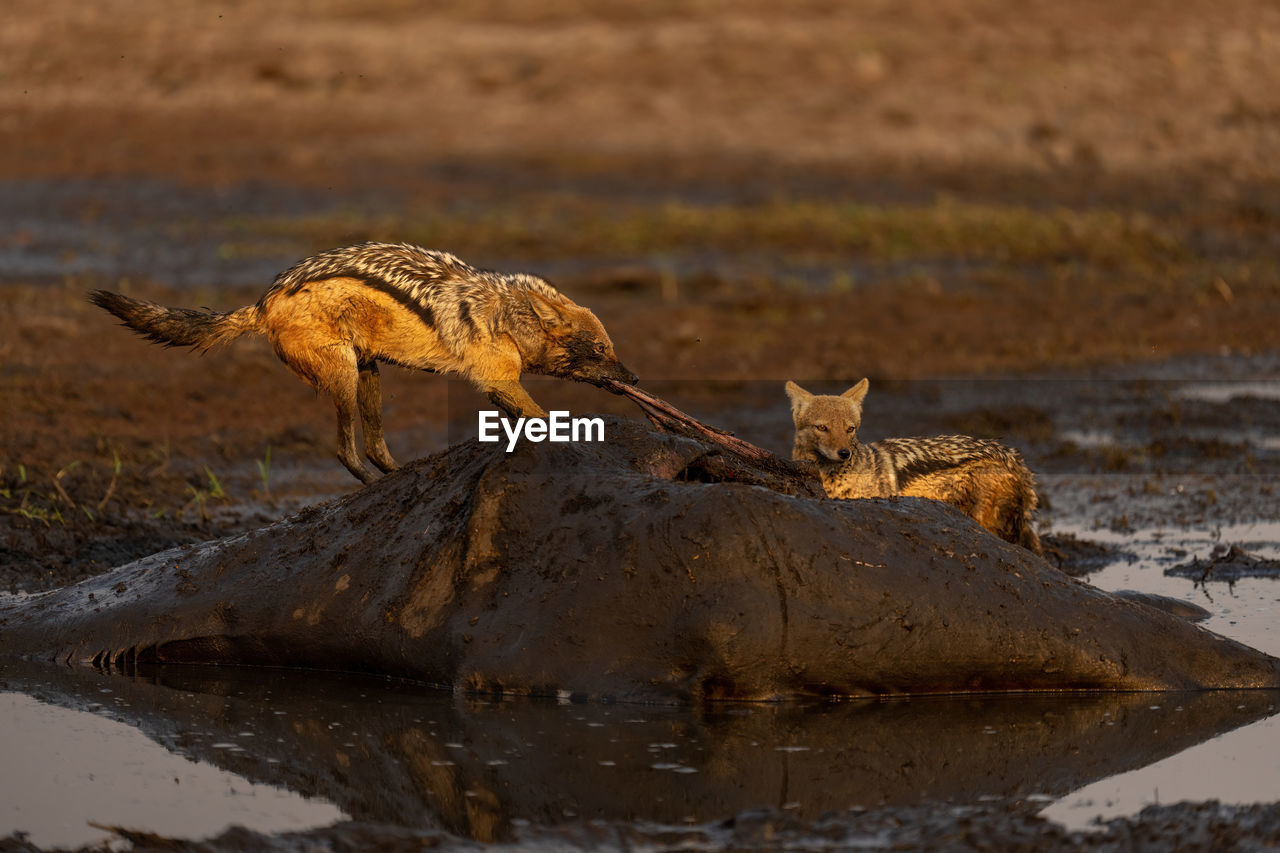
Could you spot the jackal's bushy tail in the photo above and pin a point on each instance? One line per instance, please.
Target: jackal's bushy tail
(178, 327)
(1022, 527)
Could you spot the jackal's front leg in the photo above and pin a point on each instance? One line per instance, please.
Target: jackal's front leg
(346, 406)
(510, 396)
(496, 370)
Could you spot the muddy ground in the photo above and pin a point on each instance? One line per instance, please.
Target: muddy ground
(1077, 205)
(1208, 826)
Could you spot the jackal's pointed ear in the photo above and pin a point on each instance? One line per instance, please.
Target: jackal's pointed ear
(796, 394)
(858, 392)
(547, 312)
(799, 398)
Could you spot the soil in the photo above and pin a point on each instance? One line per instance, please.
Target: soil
(1098, 181)
(1227, 563)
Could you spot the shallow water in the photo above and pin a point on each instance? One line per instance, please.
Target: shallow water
(81, 767)
(188, 750)
(1242, 766)
(1239, 767)
(1244, 610)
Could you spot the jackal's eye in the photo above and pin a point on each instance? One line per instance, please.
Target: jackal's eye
(598, 348)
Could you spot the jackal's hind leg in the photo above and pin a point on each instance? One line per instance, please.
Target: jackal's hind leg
(337, 373)
(327, 364)
(369, 399)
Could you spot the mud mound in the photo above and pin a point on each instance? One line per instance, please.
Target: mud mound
(1211, 825)
(1077, 556)
(1226, 563)
(647, 567)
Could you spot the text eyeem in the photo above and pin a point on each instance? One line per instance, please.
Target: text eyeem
(556, 426)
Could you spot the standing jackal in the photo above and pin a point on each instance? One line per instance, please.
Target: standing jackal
(984, 479)
(334, 316)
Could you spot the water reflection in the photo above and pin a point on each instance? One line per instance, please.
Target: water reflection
(402, 754)
(1240, 767)
(69, 773)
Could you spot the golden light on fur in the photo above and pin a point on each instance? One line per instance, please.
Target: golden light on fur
(985, 479)
(332, 318)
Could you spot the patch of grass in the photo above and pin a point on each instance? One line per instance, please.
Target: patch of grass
(568, 225)
(200, 497)
(21, 496)
(111, 486)
(215, 485)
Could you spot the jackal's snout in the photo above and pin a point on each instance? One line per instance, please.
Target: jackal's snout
(831, 448)
(599, 372)
(625, 375)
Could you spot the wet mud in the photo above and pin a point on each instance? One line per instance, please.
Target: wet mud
(1226, 563)
(1203, 826)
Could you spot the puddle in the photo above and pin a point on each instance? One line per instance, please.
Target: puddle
(1093, 438)
(1243, 610)
(1226, 391)
(81, 767)
(393, 753)
(1239, 768)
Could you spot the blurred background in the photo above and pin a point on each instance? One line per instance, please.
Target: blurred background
(744, 192)
(327, 90)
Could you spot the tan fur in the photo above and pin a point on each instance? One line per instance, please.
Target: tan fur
(334, 317)
(984, 479)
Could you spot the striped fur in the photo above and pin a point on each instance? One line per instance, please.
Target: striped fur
(332, 318)
(985, 479)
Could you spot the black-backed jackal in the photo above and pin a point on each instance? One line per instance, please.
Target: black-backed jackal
(334, 316)
(984, 479)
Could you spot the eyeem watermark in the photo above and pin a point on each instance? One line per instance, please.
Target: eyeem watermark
(556, 426)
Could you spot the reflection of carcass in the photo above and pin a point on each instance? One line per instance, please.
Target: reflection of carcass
(645, 567)
(392, 753)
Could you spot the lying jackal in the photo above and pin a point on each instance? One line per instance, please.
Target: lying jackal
(984, 479)
(334, 316)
